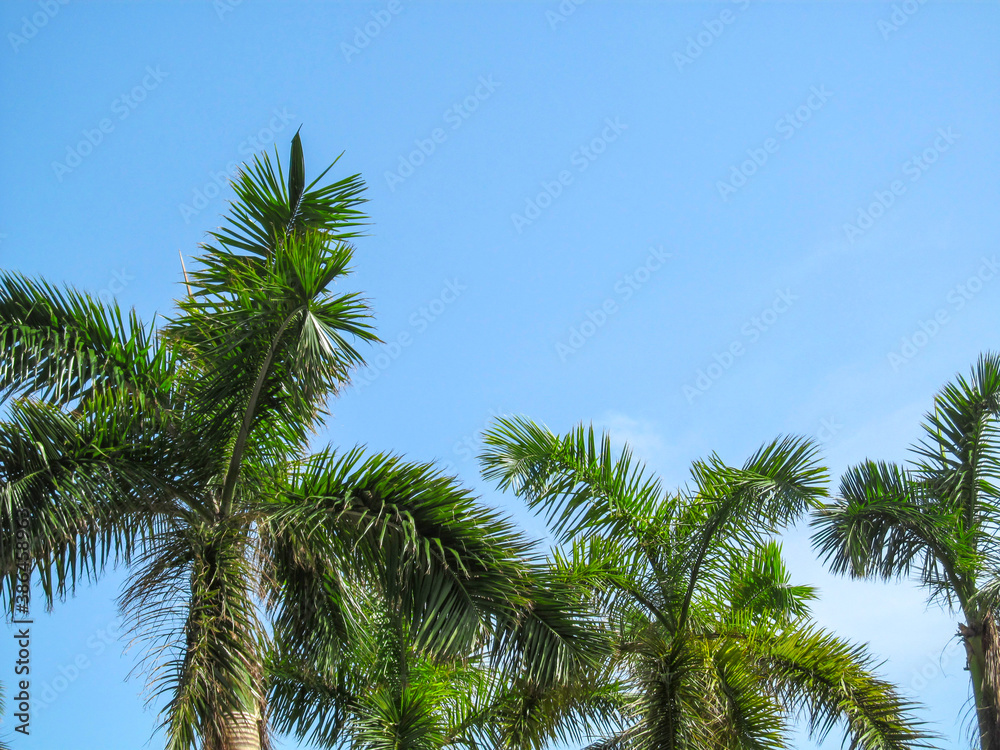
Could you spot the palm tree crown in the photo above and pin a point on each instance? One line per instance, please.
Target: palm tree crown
(712, 644)
(182, 452)
(936, 520)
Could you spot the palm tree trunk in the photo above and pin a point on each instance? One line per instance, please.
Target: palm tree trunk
(244, 733)
(982, 649)
(238, 731)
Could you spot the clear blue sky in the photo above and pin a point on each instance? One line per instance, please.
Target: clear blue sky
(662, 292)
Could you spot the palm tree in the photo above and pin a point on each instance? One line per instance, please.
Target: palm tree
(714, 646)
(182, 453)
(938, 520)
(380, 690)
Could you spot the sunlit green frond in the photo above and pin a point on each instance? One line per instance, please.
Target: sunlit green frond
(774, 487)
(834, 682)
(733, 511)
(267, 207)
(760, 588)
(687, 583)
(385, 720)
(61, 344)
(579, 481)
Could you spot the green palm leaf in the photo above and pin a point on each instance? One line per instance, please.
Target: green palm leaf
(712, 643)
(182, 454)
(938, 521)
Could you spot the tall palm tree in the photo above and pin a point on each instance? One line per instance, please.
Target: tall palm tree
(713, 644)
(937, 520)
(182, 453)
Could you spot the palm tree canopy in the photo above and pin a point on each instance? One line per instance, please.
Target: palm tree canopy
(713, 644)
(376, 688)
(182, 452)
(936, 520)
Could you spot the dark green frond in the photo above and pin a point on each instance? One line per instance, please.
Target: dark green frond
(266, 208)
(885, 524)
(454, 567)
(60, 345)
(89, 485)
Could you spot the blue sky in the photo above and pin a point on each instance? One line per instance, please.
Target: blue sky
(699, 225)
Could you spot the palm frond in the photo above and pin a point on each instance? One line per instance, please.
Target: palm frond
(578, 480)
(61, 345)
(267, 207)
(90, 486)
(268, 341)
(833, 682)
(454, 567)
(958, 462)
(885, 524)
(760, 588)
(712, 640)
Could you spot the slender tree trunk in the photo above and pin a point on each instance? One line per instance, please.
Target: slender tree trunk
(228, 726)
(244, 733)
(982, 648)
(239, 731)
